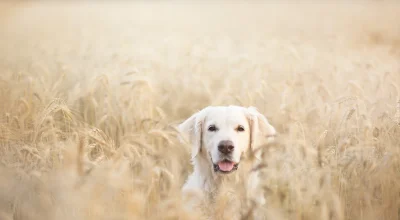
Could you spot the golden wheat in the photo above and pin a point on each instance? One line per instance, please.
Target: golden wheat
(91, 94)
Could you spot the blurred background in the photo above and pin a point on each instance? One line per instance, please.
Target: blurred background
(91, 93)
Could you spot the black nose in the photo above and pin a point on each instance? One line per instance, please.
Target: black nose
(225, 147)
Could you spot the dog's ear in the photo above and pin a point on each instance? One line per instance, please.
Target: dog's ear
(261, 131)
(191, 130)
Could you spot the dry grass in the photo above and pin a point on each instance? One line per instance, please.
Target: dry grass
(90, 94)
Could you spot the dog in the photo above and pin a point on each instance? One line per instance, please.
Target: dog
(220, 136)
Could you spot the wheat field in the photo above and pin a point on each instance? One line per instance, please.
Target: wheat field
(91, 94)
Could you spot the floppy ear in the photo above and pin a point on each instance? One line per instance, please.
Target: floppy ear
(261, 131)
(191, 131)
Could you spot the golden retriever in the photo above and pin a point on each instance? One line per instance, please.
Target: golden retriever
(219, 137)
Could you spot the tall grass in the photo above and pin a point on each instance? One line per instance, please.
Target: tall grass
(91, 95)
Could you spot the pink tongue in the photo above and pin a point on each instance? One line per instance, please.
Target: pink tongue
(225, 166)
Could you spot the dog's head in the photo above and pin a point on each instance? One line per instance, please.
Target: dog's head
(224, 133)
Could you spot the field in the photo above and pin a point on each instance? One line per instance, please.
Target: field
(91, 94)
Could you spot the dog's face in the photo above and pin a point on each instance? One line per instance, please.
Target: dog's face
(226, 135)
(222, 134)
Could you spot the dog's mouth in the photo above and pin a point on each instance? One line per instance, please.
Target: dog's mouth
(225, 166)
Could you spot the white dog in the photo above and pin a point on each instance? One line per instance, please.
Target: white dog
(220, 136)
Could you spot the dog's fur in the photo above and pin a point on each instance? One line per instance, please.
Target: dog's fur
(255, 130)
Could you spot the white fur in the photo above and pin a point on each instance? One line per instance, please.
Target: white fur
(205, 144)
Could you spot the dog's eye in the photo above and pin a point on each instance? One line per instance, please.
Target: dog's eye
(240, 128)
(212, 128)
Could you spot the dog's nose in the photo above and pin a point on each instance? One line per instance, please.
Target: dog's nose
(226, 147)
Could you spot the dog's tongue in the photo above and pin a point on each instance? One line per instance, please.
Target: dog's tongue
(226, 166)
